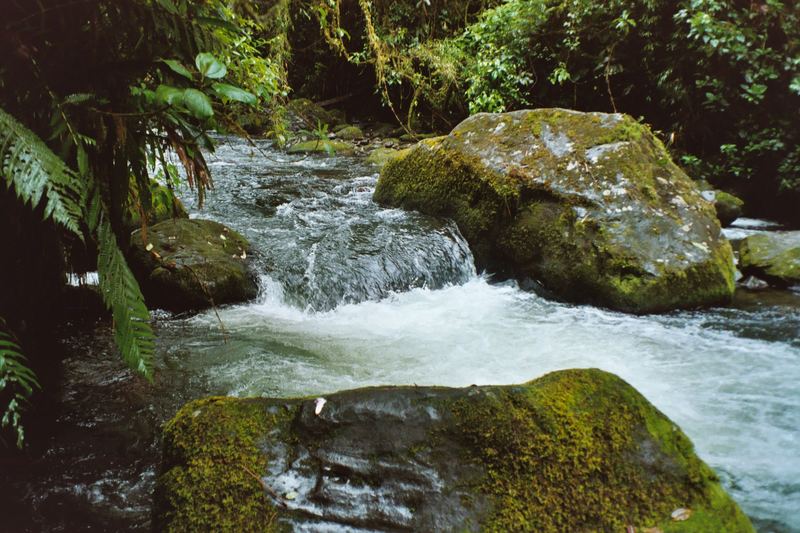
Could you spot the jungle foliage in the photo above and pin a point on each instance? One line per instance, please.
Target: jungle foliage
(719, 79)
(97, 99)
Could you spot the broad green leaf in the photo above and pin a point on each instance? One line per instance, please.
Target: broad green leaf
(209, 66)
(198, 104)
(170, 6)
(229, 92)
(220, 23)
(169, 95)
(83, 161)
(178, 67)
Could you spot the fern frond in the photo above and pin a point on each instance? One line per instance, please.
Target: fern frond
(122, 296)
(18, 379)
(34, 172)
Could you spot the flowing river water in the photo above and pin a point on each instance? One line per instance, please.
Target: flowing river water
(353, 295)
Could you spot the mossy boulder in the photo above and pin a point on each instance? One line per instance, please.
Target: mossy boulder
(380, 156)
(773, 256)
(728, 206)
(185, 264)
(576, 450)
(350, 133)
(322, 147)
(589, 205)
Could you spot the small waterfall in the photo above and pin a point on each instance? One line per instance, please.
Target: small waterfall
(323, 239)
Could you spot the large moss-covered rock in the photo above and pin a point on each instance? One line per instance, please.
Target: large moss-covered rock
(189, 264)
(772, 256)
(587, 204)
(576, 450)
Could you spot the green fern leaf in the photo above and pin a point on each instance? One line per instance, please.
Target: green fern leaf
(122, 296)
(18, 379)
(36, 173)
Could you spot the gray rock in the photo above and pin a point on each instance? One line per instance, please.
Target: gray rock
(773, 256)
(532, 457)
(191, 263)
(587, 204)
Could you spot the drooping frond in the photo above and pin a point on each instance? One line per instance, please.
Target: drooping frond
(123, 297)
(34, 172)
(17, 380)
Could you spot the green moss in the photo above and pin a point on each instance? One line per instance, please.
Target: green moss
(380, 156)
(515, 182)
(728, 206)
(212, 465)
(440, 183)
(581, 450)
(350, 133)
(320, 146)
(773, 256)
(190, 260)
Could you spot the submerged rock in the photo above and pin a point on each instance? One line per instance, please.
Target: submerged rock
(575, 450)
(587, 204)
(185, 264)
(773, 256)
(323, 147)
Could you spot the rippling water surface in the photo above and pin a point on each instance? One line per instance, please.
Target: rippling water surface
(354, 295)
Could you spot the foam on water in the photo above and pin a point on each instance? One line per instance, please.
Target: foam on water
(398, 302)
(737, 397)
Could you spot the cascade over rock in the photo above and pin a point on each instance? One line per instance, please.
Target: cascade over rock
(575, 450)
(589, 205)
(190, 263)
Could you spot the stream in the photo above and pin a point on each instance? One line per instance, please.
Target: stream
(354, 295)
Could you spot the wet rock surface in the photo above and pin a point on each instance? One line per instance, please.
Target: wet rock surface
(185, 264)
(573, 450)
(773, 256)
(589, 205)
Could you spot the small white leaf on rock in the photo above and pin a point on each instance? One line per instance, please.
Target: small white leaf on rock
(244, 255)
(291, 495)
(149, 246)
(196, 413)
(223, 237)
(680, 514)
(319, 403)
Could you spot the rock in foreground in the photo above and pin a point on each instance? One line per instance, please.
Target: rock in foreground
(774, 257)
(587, 204)
(576, 450)
(191, 263)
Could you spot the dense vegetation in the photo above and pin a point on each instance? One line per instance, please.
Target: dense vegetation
(100, 98)
(93, 97)
(720, 80)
